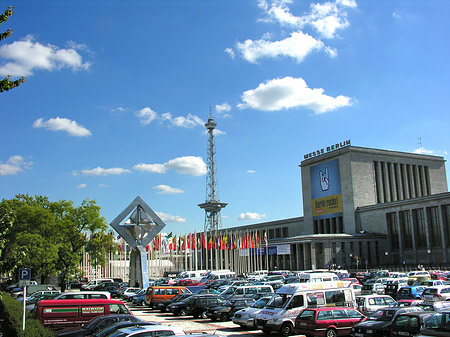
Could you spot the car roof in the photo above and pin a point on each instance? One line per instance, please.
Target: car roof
(329, 308)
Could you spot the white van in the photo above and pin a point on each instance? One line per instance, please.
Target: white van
(220, 274)
(287, 303)
(195, 275)
(246, 291)
(92, 284)
(258, 274)
(317, 277)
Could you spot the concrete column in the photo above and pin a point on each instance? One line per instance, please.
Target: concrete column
(444, 243)
(417, 181)
(400, 236)
(427, 233)
(386, 183)
(313, 255)
(406, 183)
(327, 252)
(380, 183)
(400, 195)
(414, 236)
(393, 183)
(412, 182)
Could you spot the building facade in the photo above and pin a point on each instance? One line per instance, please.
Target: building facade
(364, 208)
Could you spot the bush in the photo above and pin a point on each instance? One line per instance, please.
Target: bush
(11, 311)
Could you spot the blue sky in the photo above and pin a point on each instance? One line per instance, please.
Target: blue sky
(117, 94)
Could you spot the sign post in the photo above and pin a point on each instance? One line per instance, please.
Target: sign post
(24, 280)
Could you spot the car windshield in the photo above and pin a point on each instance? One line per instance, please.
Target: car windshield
(382, 315)
(261, 303)
(278, 301)
(439, 322)
(229, 291)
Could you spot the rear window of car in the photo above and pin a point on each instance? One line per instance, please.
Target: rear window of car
(405, 291)
(430, 291)
(307, 315)
(324, 315)
(354, 313)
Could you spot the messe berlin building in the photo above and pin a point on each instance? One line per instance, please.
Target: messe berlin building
(363, 208)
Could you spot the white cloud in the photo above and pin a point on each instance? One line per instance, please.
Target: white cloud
(396, 16)
(424, 151)
(63, 124)
(14, 165)
(297, 46)
(170, 218)
(146, 115)
(82, 186)
(289, 92)
(184, 165)
(251, 216)
(224, 107)
(251, 171)
(326, 18)
(230, 52)
(99, 171)
(23, 57)
(103, 185)
(165, 189)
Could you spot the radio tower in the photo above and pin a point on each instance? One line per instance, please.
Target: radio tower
(212, 205)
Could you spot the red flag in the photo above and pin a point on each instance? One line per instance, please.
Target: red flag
(265, 237)
(193, 240)
(189, 241)
(203, 241)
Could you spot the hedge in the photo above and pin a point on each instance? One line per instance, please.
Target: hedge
(11, 311)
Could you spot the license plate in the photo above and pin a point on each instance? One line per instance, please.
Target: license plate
(403, 333)
(303, 324)
(357, 334)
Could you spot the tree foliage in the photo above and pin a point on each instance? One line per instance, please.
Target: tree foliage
(49, 237)
(7, 84)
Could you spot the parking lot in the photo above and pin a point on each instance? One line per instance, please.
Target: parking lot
(191, 325)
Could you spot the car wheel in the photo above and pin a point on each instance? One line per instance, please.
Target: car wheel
(224, 317)
(286, 329)
(331, 333)
(266, 331)
(163, 309)
(195, 315)
(204, 314)
(183, 312)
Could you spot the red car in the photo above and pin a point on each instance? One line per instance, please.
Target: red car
(327, 321)
(188, 282)
(353, 280)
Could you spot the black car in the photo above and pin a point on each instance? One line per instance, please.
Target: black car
(408, 323)
(438, 324)
(116, 326)
(225, 311)
(178, 308)
(197, 305)
(379, 323)
(112, 289)
(96, 324)
(162, 305)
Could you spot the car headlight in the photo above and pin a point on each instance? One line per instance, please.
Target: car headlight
(369, 331)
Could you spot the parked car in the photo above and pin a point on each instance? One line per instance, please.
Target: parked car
(327, 321)
(96, 324)
(162, 305)
(379, 323)
(437, 293)
(152, 330)
(197, 305)
(434, 306)
(139, 299)
(438, 324)
(357, 288)
(368, 304)
(405, 303)
(225, 311)
(246, 317)
(408, 323)
(410, 292)
(116, 326)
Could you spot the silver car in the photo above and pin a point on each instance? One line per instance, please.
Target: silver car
(246, 317)
(368, 304)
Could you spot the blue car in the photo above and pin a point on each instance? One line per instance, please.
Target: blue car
(139, 299)
(410, 292)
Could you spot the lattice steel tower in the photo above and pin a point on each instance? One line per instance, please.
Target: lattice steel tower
(212, 206)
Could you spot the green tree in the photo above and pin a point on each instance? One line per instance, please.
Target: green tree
(49, 237)
(7, 84)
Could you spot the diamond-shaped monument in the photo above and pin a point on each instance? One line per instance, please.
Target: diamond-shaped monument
(141, 225)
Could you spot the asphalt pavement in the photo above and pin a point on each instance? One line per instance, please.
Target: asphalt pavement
(191, 325)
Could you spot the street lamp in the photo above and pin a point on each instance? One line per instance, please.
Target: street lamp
(429, 257)
(351, 260)
(387, 257)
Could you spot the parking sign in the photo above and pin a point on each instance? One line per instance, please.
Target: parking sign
(24, 277)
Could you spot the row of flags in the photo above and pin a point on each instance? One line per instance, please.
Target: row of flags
(167, 242)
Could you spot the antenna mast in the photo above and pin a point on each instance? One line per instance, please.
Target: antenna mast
(212, 205)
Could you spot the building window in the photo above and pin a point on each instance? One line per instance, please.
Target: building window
(278, 232)
(340, 224)
(433, 216)
(271, 234)
(397, 182)
(391, 219)
(316, 227)
(419, 228)
(447, 221)
(405, 224)
(285, 232)
(377, 179)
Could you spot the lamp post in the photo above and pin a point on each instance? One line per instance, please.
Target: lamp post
(429, 257)
(387, 257)
(351, 260)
